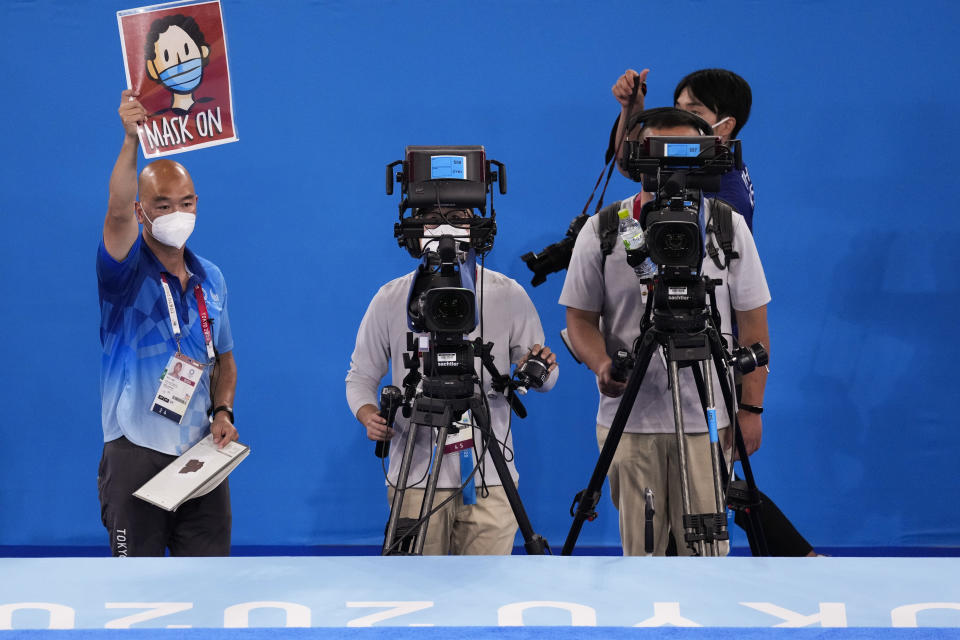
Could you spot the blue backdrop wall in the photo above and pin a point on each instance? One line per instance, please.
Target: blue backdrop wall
(850, 146)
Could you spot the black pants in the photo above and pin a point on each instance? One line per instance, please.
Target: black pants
(200, 527)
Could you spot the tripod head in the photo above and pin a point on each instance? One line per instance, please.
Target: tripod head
(449, 378)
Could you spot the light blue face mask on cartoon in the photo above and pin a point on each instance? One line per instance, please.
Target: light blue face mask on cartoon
(184, 77)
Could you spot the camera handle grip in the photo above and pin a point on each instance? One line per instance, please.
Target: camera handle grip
(499, 382)
(648, 512)
(390, 400)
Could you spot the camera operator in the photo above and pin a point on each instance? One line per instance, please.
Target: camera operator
(605, 303)
(723, 99)
(510, 321)
(719, 96)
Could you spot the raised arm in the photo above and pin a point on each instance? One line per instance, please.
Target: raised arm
(622, 91)
(120, 226)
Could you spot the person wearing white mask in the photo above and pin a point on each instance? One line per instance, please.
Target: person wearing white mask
(162, 308)
(470, 522)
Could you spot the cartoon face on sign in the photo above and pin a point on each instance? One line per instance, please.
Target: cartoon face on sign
(176, 53)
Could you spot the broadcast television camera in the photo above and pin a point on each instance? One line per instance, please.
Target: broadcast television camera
(442, 301)
(676, 169)
(441, 188)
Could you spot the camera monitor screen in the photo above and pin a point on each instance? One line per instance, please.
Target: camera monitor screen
(450, 167)
(700, 149)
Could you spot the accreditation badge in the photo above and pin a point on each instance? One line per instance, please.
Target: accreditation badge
(178, 384)
(461, 443)
(463, 438)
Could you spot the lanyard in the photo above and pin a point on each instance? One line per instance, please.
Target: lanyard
(464, 449)
(204, 320)
(201, 307)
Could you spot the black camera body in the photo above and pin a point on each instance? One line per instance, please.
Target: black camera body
(442, 306)
(439, 303)
(672, 235)
(677, 169)
(556, 256)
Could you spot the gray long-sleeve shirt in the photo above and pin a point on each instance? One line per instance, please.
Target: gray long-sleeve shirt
(510, 321)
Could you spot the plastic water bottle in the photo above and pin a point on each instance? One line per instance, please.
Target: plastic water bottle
(631, 234)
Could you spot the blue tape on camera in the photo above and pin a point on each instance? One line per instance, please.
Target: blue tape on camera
(712, 424)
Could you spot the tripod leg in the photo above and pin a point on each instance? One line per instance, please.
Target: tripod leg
(587, 499)
(715, 453)
(720, 474)
(702, 391)
(533, 543)
(755, 533)
(395, 508)
(681, 447)
(430, 491)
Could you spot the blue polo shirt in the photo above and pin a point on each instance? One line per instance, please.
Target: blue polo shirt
(138, 341)
(736, 189)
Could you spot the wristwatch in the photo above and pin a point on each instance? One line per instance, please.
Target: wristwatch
(751, 408)
(229, 410)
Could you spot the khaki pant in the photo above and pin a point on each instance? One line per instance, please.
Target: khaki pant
(483, 529)
(645, 460)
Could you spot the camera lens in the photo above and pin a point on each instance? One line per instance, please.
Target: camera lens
(675, 241)
(451, 308)
(746, 359)
(448, 309)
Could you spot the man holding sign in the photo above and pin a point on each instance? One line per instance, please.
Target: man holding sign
(162, 309)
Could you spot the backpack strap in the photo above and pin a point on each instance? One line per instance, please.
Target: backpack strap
(720, 228)
(608, 225)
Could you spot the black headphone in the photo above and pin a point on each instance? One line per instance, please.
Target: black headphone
(641, 118)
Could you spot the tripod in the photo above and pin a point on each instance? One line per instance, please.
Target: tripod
(441, 401)
(687, 339)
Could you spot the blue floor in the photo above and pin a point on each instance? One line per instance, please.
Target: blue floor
(480, 592)
(26, 551)
(489, 633)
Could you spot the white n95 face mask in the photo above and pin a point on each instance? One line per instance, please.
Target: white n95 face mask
(430, 241)
(172, 229)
